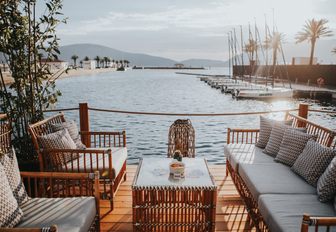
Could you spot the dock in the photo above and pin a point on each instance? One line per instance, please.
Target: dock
(231, 214)
(299, 90)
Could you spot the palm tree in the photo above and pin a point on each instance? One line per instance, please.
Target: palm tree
(81, 63)
(250, 48)
(97, 59)
(86, 58)
(313, 30)
(275, 43)
(106, 60)
(74, 58)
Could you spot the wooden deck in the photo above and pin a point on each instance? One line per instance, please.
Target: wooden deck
(231, 213)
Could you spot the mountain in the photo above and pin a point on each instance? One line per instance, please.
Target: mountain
(203, 63)
(93, 50)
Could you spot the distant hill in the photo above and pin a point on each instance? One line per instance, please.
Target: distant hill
(203, 63)
(136, 59)
(93, 50)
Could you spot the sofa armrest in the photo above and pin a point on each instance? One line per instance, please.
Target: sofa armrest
(316, 222)
(104, 138)
(60, 184)
(236, 135)
(52, 228)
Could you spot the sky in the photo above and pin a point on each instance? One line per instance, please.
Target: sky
(184, 29)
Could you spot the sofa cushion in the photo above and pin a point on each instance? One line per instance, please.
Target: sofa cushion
(265, 131)
(58, 140)
(273, 146)
(313, 161)
(273, 178)
(10, 212)
(72, 128)
(245, 154)
(11, 168)
(292, 145)
(69, 214)
(266, 125)
(326, 185)
(119, 156)
(283, 212)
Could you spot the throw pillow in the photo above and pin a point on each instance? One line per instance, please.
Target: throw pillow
(10, 212)
(11, 168)
(71, 126)
(266, 125)
(273, 145)
(326, 185)
(58, 140)
(313, 161)
(292, 145)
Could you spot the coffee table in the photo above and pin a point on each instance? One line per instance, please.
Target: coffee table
(162, 203)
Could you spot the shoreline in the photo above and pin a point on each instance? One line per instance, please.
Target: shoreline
(71, 73)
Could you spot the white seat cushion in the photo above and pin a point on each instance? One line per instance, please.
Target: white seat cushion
(119, 156)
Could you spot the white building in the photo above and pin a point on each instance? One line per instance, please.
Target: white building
(89, 64)
(302, 60)
(55, 65)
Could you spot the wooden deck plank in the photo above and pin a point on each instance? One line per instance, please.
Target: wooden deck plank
(230, 212)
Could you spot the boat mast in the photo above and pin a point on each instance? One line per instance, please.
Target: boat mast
(266, 48)
(251, 51)
(229, 47)
(235, 46)
(242, 50)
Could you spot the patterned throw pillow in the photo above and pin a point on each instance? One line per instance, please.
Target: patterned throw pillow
(58, 140)
(72, 128)
(326, 185)
(265, 131)
(313, 161)
(292, 145)
(11, 168)
(273, 145)
(10, 212)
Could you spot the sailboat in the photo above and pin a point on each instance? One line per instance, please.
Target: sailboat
(267, 92)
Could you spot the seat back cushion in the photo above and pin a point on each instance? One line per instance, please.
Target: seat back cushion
(313, 161)
(326, 185)
(266, 125)
(10, 212)
(11, 168)
(273, 145)
(72, 128)
(58, 140)
(292, 145)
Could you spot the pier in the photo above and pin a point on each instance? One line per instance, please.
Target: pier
(227, 85)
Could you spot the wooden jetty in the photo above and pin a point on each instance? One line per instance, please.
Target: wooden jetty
(231, 214)
(299, 90)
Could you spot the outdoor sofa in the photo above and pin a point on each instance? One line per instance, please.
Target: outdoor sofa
(61, 148)
(277, 198)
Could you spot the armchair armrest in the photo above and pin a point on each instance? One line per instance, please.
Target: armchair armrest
(236, 135)
(80, 160)
(52, 228)
(317, 221)
(104, 138)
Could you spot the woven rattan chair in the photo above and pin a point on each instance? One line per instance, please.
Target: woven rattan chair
(181, 137)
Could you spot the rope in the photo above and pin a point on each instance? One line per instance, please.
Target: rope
(64, 109)
(188, 114)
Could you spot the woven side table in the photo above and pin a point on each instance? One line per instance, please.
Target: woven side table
(161, 203)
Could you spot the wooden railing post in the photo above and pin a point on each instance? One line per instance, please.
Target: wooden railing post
(84, 123)
(303, 112)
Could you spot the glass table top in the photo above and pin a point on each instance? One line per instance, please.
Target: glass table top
(154, 172)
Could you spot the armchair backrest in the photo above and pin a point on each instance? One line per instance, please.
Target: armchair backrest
(5, 133)
(42, 128)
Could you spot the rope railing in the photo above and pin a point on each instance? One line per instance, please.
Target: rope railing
(187, 114)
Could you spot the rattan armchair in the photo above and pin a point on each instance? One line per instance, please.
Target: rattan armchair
(106, 152)
(64, 188)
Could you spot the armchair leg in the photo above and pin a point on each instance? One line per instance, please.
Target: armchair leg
(125, 176)
(112, 195)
